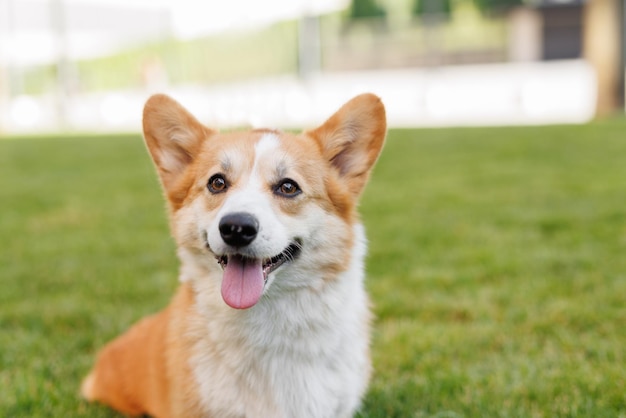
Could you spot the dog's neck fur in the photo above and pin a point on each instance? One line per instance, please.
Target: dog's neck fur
(268, 205)
(288, 360)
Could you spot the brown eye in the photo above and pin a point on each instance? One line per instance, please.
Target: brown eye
(217, 184)
(287, 188)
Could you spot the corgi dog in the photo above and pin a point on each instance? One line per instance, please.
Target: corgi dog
(271, 318)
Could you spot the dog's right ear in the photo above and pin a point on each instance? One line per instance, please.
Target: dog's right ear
(352, 139)
(173, 136)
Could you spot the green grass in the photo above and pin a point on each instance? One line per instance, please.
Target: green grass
(497, 269)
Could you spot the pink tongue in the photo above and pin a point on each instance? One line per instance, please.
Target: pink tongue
(242, 284)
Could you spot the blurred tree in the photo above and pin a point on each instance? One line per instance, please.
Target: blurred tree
(426, 8)
(490, 6)
(366, 9)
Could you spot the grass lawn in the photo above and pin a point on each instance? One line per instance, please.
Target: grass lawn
(497, 269)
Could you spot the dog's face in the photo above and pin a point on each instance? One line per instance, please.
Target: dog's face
(271, 209)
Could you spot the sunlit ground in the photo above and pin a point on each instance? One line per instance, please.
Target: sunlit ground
(496, 269)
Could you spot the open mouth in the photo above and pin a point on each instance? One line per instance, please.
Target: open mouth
(245, 278)
(269, 265)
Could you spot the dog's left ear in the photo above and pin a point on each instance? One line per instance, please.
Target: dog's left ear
(173, 137)
(352, 139)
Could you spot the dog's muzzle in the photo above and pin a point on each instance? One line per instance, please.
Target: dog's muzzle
(238, 229)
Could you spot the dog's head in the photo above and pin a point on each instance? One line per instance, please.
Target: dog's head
(271, 208)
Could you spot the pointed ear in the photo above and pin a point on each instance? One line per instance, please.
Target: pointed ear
(173, 137)
(352, 139)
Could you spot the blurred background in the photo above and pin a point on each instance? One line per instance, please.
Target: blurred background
(496, 256)
(89, 65)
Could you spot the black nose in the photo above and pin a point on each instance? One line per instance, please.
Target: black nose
(238, 229)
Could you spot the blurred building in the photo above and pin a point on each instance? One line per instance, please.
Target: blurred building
(517, 32)
(570, 29)
(90, 64)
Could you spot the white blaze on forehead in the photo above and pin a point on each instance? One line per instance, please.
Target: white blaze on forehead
(266, 147)
(254, 197)
(268, 142)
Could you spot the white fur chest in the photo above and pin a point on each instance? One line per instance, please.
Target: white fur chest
(302, 354)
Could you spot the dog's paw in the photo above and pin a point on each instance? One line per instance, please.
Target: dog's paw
(86, 388)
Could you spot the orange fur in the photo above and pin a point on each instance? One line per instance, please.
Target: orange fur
(136, 372)
(352, 139)
(148, 369)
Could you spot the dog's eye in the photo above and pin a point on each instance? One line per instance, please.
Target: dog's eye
(287, 188)
(217, 184)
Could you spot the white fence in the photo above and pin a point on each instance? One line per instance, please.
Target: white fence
(493, 94)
